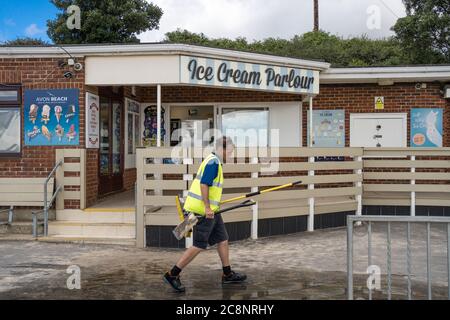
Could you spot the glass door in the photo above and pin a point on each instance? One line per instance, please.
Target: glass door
(111, 150)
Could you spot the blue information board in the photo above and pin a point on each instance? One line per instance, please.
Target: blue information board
(51, 117)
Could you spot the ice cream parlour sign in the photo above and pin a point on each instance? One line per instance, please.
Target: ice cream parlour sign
(235, 74)
(51, 117)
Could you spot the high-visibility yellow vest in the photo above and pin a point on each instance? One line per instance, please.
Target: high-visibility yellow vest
(194, 202)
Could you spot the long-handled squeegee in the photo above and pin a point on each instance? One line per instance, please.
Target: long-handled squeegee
(189, 220)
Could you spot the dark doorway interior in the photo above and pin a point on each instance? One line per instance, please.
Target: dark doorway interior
(111, 150)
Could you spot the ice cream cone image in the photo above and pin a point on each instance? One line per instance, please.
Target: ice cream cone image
(70, 113)
(32, 134)
(59, 132)
(58, 112)
(46, 133)
(72, 133)
(45, 114)
(32, 115)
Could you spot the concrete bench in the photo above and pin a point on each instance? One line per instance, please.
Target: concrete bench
(22, 192)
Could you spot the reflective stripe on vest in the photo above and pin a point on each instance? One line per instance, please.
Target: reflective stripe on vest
(194, 200)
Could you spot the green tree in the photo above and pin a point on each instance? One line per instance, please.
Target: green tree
(425, 31)
(104, 21)
(320, 45)
(26, 41)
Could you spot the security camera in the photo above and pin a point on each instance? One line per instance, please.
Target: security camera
(78, 66)
(68, 75)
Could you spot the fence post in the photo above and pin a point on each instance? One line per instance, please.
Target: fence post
(349, 258)
(359, 185)
(413, 193)
(311, 199)
(140, 223)
(187, 177)
(254, 160)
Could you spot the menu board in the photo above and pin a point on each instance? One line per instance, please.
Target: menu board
(51, 117)
(328, 128)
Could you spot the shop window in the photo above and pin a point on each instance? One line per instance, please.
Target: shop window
(10, 130)
(248, 127)
(133, 126)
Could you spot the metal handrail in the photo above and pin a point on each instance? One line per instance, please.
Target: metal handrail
(392, 219)
(47, 204)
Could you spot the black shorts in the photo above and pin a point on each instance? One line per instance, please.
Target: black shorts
(209, 231)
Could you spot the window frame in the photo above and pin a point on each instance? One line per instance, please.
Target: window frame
(17, 104)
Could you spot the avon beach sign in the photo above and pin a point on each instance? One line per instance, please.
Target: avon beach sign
(234, 74)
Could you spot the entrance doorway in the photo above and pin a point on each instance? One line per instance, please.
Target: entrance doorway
(111, 142)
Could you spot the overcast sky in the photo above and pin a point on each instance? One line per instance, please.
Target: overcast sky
(259, 19)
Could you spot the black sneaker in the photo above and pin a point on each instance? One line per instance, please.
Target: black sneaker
(175, 282)
(234, 277)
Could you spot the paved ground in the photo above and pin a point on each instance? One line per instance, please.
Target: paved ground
(300, 266)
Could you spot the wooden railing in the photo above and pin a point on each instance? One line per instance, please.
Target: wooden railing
(71, 176)
(328, 187)
(407, 177)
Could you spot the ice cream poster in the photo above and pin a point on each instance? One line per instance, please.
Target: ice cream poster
(328, 128)
(51, 117)
(426, 127)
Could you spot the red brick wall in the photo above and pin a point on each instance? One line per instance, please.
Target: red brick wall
(37, 73)
(129, 178)
(360, 99)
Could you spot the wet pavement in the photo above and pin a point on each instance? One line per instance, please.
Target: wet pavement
(300, 266)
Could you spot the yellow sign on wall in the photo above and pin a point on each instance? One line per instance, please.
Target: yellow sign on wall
(379, 103)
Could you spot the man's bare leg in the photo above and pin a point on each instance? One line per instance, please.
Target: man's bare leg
(188, 256)
(223, 250)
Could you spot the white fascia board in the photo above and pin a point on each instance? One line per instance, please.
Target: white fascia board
(396, 74)
(158, 48)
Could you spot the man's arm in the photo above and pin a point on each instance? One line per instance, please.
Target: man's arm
(205, 196)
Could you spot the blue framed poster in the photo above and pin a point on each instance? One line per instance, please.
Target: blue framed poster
(426, 127)
(51, 117)
(328, 128)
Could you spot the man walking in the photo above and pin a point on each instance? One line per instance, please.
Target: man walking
(204, 199)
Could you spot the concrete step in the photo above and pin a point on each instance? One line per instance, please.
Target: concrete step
(91, 240)
(20, 228)
(102, 216)
(92, 229)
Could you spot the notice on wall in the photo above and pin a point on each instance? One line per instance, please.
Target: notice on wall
(92, 121)
(426, 127)
(379, 103)
(328, 128)
(51, 117)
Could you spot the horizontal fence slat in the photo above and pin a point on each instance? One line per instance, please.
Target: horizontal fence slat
(407, 187)
(406, 164)
(164, 184)
(164, 168)
(159, 200)
(388, 152)
(25, 189)
(71, 167)
(406, 176)
(274, 181)
(71, 195)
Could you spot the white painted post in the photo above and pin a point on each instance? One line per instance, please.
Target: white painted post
(188, 177)
(311, 200)
(359, 185)
(413, 193)
(158, 117)
(311, 172)
(254, 160)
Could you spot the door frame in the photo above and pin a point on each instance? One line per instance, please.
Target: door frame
(113, 97)
(384, 115)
